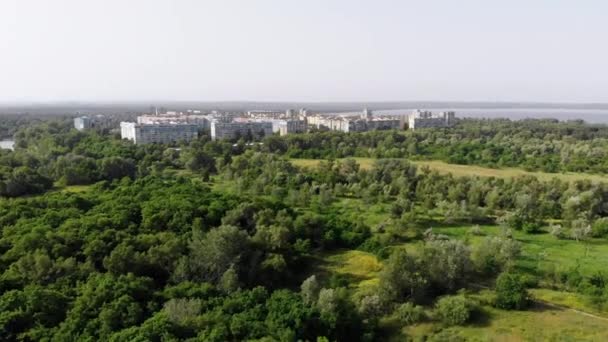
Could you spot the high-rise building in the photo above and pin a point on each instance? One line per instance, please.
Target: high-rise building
(158, 132)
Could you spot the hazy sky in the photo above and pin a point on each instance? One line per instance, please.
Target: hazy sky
(304, 50)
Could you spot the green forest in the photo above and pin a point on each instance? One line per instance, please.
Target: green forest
(104, 240)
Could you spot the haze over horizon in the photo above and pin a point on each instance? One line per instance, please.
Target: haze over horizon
(319, 51)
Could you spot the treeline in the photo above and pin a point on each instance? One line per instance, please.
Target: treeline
(423, 195)
(545, 145)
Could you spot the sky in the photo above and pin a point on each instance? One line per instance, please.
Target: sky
(304, 50)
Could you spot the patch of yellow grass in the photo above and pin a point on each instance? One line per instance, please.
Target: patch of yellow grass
(567, 299)
(472, 170)
(76, 188)
(361, 267)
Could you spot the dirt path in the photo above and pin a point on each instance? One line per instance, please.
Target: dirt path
(560, 307)
(554, 306)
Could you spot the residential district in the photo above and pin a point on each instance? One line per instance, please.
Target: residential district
(171, 126)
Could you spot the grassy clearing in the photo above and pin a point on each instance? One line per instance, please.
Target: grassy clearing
(472, 170)
(539, 251)
(570, 300)
(540, 323)
(544, 250)
(372, 215)
(359, 268)
(76, 188)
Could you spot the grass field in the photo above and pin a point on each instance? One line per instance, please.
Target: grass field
(472, 170)
(359, 268)
(539, 251)
(539, 323)
(545, 250)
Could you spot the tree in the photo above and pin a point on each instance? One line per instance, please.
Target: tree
(229, 282)
(495, 254)
(408, 313)
(447, 263)
(371, 307)
(196, 160)
(212, 254)
(511, 292)
(310, 290)
(116, 168)
(453, 310)
(402, 278)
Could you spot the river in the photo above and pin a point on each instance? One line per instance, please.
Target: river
(596, 116)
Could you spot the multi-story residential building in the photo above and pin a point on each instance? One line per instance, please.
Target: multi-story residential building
(292, 126)
(427, 119)
(355, 123)
(91, 122)
(202, 121)
(240, 128)
(266, 114)
(148, 133)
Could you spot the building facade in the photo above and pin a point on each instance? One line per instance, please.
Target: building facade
(161, 133)
(427, 119)
(363, 123)
(238, 129)
(202, 121)
(82, 123)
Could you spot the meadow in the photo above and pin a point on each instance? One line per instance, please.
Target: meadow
(471, 170)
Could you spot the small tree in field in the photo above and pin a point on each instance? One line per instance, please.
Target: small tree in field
(511, 292)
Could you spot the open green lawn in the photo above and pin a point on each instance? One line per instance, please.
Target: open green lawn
(472, 170)
(540, 323)
(545, 250)
(542, 250)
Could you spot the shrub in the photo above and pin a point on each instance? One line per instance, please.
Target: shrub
(511, 292)
(600, 227)
(476, 230)
(557, 231)
(453, 310)
(409, 313)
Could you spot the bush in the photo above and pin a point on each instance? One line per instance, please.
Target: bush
(600, 227)
(557, 231)
(453, 310)
(511, 292)
(476, 230)
(409, 313)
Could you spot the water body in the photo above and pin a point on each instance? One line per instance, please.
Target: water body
(7, 144)
(595, 116)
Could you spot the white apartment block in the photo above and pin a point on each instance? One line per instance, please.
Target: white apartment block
(241, 128)
(427, 119)
(195, 119)
(162, 133)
